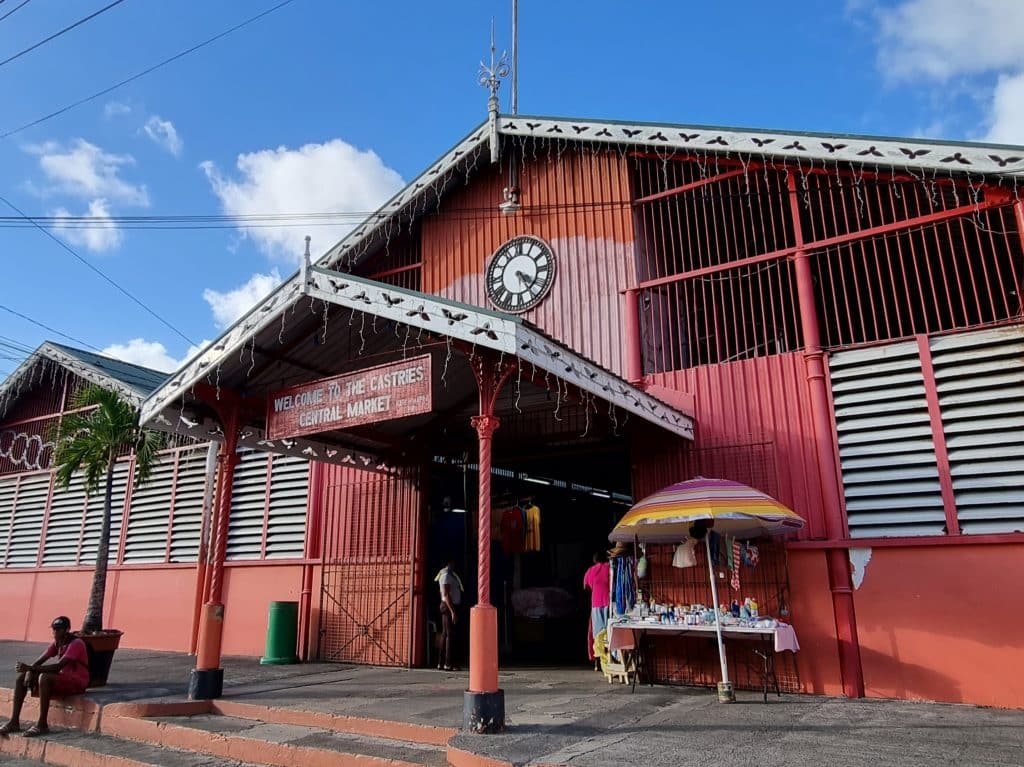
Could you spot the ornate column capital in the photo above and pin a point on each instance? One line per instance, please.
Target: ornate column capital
(485, 425)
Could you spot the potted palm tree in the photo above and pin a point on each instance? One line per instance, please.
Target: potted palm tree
(103, 427)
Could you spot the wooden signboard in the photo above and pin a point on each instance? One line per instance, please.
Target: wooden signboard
(381, 393)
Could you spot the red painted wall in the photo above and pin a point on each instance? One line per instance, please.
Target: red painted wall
(943, 623)
(248, 592)
(578, 208)
(814, 623)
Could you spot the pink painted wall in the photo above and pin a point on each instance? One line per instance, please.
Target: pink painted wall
(33, 598)
(943, 623)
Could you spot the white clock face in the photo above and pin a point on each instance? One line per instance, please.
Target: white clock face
(520, 274)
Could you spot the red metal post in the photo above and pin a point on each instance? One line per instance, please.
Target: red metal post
(837, 559)
(938, 435)
(1018, 209)
(631, 333)
(207, 679)
(484, 709)
(314, 514)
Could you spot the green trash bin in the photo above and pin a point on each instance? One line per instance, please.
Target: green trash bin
(282, 634)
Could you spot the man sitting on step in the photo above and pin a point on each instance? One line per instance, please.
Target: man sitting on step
(67, 675)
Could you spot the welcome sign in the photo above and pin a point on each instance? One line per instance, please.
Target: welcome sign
(381, 393)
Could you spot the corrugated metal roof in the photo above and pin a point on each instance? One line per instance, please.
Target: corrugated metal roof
(134, 382)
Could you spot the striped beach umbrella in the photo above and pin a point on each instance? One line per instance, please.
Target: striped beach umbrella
(727, 507)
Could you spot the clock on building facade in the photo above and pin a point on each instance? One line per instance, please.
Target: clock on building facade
(520, 274)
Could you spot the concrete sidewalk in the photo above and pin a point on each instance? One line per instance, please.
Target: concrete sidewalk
(574, 717)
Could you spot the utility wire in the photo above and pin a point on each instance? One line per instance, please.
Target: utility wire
(145, 72)
(98, 271)
(47, 327)
(55, 35)
(15, 8)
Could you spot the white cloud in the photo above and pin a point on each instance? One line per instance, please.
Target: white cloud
(150, 354)
(84, 170)
(1007, 117)
(333, 177)
(229, 306)
(968, 46)
(940, 39)
(116, 109)
(164, 134)
(98, 236)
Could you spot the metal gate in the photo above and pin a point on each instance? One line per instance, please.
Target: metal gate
(368, 608)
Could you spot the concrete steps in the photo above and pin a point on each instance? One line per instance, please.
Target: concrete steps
(276, 744)
(68, 748)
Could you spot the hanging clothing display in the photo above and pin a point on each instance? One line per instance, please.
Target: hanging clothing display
(513, 532)
(736, 559)
(624, 588)
(684, 555)
(532, 528)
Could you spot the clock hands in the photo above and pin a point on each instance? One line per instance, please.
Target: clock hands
(523, 279)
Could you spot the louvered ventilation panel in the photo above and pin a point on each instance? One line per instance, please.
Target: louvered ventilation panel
(94, 516)
(289, 499)
(64, 526)
(980, 378)
(146, 538)
(248, 504)
(890, 476)
(188, 506)
(8, 489)
(28, 520)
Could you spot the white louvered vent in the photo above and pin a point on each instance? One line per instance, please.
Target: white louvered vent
(188, 506)
(94, 516)
(980, 379)
(289, 499)
(146, 537)
(886, 451)
(27, 529)
(8, 489)
(248, 504)
(64, 526)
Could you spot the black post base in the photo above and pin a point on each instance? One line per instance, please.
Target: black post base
(483, 712)
(205, 684)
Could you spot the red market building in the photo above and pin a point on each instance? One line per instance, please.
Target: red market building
(835, 320)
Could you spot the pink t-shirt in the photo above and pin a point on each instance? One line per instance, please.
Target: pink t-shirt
(75, 652)
(596, 580)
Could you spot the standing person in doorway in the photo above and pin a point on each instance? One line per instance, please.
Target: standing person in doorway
(596, 579)
(451, 597)
(67, 674)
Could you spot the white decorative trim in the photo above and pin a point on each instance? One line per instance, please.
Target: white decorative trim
(173, 422)
(901, 154)
(90, 373)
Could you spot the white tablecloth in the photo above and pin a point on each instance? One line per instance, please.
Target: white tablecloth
(623, 635)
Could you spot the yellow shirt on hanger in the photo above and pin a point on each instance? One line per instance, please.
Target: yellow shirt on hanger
(533, 528)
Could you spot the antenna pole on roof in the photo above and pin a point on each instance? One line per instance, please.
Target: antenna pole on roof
(490, 77)
(304, 269)
(515, 57)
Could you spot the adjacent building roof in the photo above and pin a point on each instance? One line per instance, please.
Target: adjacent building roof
(133, 382)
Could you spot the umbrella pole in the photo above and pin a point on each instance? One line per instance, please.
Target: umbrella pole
(725, 691)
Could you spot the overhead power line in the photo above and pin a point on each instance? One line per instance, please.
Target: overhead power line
(47, 328)
(55, 35)
(15, 8)
(145, 72)
(94, 268)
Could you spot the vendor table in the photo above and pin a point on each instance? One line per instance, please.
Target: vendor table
(632, 635)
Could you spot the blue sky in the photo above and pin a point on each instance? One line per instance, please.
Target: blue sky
(328, 106)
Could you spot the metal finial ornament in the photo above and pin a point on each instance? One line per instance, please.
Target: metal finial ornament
(491, 76)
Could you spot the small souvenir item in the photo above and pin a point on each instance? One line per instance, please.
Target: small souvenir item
(735, 609)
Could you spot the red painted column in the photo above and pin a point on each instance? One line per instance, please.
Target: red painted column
(311, 551)
(212, 626)
(484, 701)
(631, 331)
(483, 618)
(1018, 209)
(840, 581)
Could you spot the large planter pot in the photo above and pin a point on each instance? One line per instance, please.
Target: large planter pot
(101, 646)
